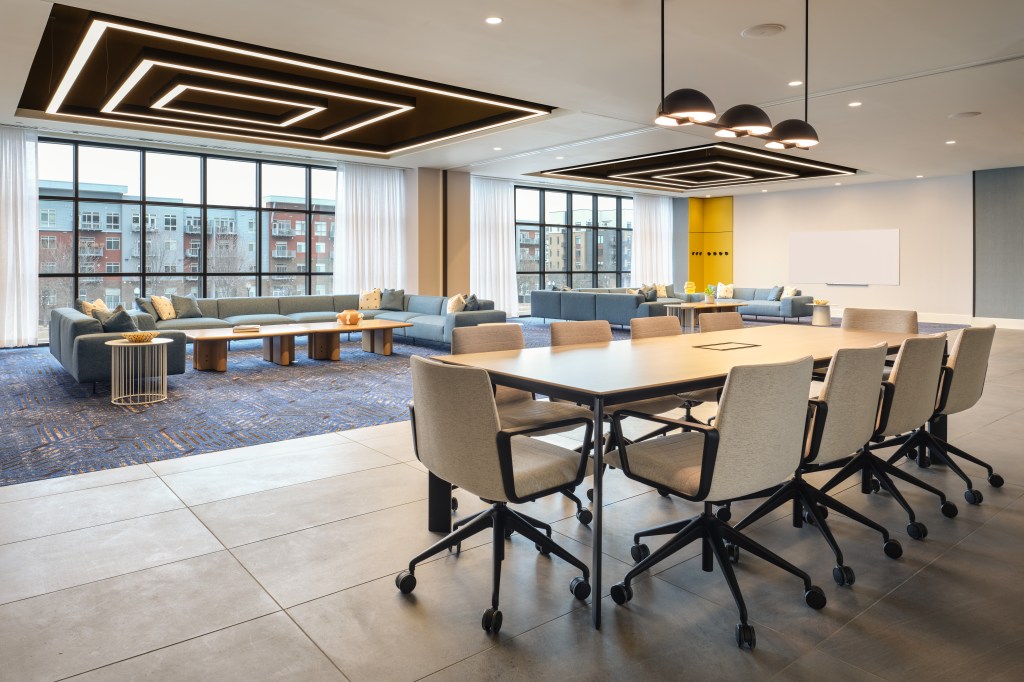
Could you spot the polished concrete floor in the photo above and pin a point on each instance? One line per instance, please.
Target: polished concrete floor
(277, 562)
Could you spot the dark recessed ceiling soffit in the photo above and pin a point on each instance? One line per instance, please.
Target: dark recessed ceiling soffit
(107, 70)
(711, 166)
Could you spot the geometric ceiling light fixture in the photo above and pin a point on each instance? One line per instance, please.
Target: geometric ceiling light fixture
(107, 70)
(688, 107)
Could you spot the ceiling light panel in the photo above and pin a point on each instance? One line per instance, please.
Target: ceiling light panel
(119, 72)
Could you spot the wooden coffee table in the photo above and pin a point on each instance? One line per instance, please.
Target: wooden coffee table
(688, 312)
(210, 346)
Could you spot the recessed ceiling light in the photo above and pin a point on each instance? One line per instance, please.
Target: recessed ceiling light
(493, 20)
(763, 191)
(707, 196)
(965, 114)
(559, 157)
(918, 176)
(855, 104)
(497, 149)
(838, 183)
(950, 141)
(793, 84)
(763, 31)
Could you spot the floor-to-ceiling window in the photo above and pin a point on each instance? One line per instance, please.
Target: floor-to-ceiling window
(571, 239)
(118, 222)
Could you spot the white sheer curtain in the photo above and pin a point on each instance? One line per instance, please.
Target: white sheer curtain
(19, 238)
(652, 239)
(369, 238)
(492, 243)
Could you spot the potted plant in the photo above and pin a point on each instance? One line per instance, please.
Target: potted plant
(709, 294)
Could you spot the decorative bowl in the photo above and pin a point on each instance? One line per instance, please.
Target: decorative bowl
(139, 337)
(821, 301)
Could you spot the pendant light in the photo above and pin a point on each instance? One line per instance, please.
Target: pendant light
(793, 132)
(743, 119)
(681, 107)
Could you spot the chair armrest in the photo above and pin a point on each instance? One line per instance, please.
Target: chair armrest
(504, 442)
(945, 383)
(885, 403)
(817, 415)
(557, 424)
(667, 421)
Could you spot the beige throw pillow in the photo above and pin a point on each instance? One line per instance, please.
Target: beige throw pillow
(662, 290)
(788, 291)
(457, 303)
(98, 304)
(724, 290)
(369, 300)
(164, 307)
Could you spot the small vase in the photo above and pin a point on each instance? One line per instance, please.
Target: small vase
(708, 298)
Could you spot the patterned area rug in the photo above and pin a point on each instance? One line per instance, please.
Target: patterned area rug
(53, 426)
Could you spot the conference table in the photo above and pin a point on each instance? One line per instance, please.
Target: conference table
(604, 374)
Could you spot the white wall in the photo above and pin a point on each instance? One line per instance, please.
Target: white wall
(935, 219)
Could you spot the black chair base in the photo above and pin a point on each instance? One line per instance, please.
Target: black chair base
(877, 474)
(721, 542)
(928, 448)
(503, 521)
(810, 505)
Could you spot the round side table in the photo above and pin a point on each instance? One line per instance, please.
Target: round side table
(138, 371)
(821, 316)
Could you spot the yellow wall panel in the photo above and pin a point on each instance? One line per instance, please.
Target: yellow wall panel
(710, 227)
(718, 257)
(718, 214)
(697, 259)
(696, 215)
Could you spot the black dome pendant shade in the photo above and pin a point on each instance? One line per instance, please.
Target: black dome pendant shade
(744, 118)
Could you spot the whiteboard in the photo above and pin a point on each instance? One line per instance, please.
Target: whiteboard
(857, 257)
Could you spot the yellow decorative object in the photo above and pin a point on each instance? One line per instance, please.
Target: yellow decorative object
(689, 288)
(821, 301)
(350, 317)
(139, 337)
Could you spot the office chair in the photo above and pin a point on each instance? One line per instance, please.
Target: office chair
(718, 322)
(756, 443)
(963, 381)
(458, 437)
(842, 422)
(518, 408)
(908, 401)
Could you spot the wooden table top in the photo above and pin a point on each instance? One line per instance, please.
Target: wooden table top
(697, 305)
(298, 329)
(663, 365)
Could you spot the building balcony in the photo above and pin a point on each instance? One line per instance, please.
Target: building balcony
(526, 241)
(282, 231)
(90, 227)
(281, 253)
(193, 229)
(90, 280)
(226, 231)
(90, 252)
(191, 278)
(192, 253)
(282, 278)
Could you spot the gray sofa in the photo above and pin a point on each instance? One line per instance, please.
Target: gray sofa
(427, 314)
(78, 342)
(618, 306)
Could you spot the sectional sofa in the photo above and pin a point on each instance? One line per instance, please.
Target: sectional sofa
(77, 340)
(618, 306)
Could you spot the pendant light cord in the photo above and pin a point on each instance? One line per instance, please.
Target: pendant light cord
(661, 105)
(807, 52)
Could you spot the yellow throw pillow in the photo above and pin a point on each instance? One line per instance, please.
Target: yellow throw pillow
(164, 307)
(635, 292)
(457, 303)
(369, 300)
(98, 304)
(689, 288)
(662, 290)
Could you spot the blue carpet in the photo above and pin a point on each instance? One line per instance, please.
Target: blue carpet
(53, 426)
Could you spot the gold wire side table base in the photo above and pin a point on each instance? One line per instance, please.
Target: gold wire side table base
(138, 372)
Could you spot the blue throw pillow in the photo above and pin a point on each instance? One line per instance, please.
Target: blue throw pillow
(775, 294)
(146, 306)
(472, 302)
(185, 307)
(116, 320)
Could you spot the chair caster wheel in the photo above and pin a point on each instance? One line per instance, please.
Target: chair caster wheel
(724, 514)
(892, 548)
(639, 552)
(584, 516)
(491, 622)
(733, 552)
(917, 530)
(874, 486)
(949, 509)
(580, 588)
(973, 496)
(995, 480)
(745, 636)
(621, 593)
(815, 597)
(663, 492)
(455, 504)
(924, 461)
(590, 494)
(405, 582)
(843, 575)
(543, 550)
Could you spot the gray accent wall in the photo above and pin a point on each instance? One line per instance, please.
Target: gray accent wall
(999, 243)
(680, 241)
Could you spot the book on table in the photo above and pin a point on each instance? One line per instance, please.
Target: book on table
(245, 328)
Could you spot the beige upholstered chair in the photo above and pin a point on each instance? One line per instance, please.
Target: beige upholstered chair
(963, 382)
(459, 439)
(651, 327)
(518, 408)
(908, 401)
(717, 322)
(843, 422)
(755, 445)
(877, 319)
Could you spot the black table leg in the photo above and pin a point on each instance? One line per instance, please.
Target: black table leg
(439, 505)
(595, 564)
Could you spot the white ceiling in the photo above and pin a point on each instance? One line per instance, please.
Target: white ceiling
(912, 63)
